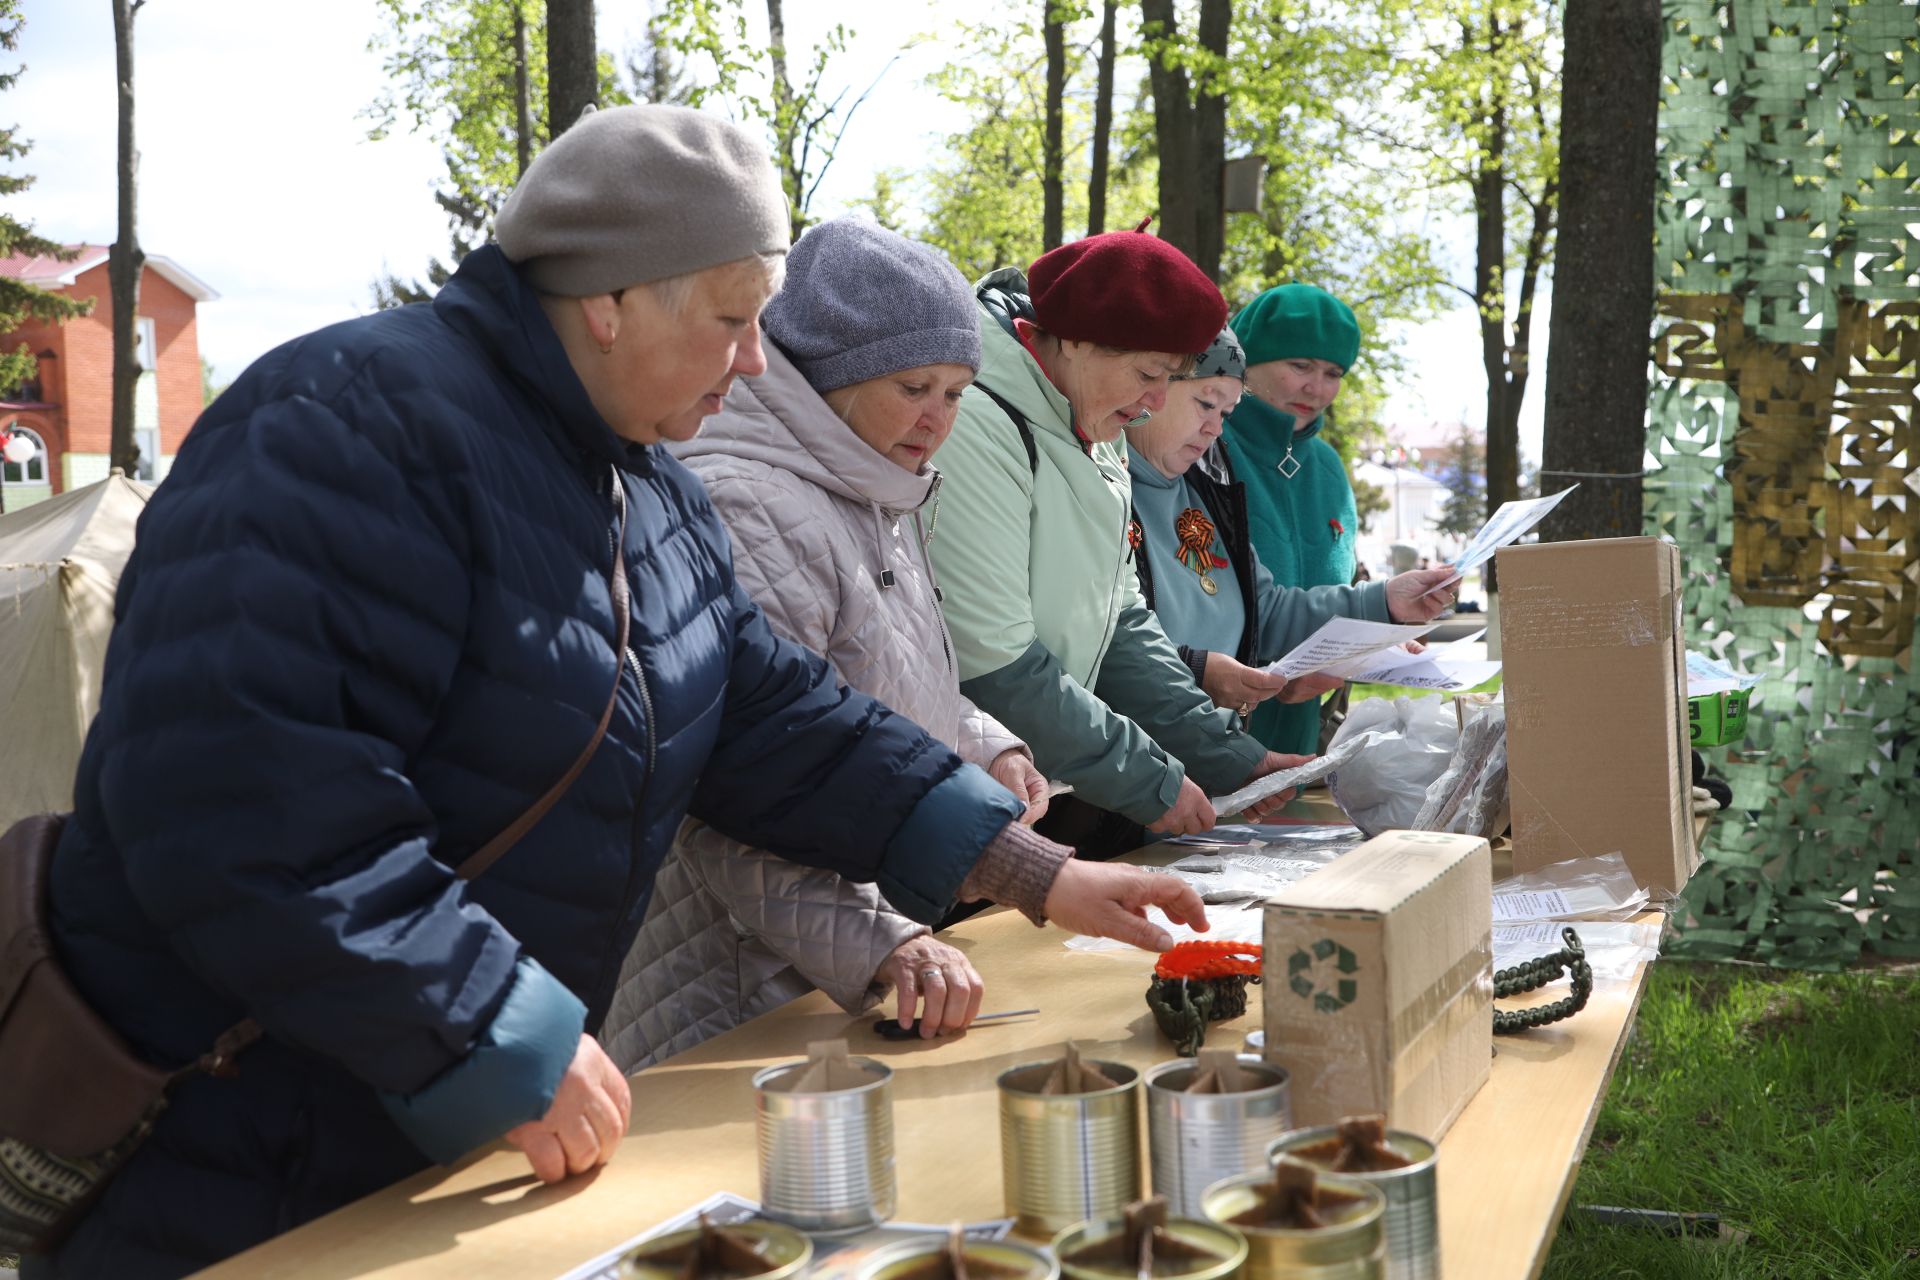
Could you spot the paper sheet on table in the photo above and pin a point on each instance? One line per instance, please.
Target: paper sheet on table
(1341, 640)
(1298, 776)
(1431, 669)
(1509, 523)
(1229, 924)
(1704, 676)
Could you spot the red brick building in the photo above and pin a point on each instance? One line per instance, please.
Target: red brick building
(68, 409)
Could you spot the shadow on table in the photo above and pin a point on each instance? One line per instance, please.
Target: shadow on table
(1542, 1044)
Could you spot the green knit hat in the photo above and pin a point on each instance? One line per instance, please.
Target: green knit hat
(1294, 320)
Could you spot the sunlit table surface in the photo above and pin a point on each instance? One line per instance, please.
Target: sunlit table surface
(1506, 1166)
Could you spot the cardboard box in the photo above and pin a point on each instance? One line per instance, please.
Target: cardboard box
(1596, 694)
(1378, 981)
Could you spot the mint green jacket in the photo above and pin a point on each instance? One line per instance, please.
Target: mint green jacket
(1049, 629)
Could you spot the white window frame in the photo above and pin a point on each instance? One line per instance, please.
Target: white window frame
(148, 439)
(37, 463)
(146, 343)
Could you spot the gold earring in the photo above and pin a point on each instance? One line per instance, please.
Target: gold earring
(606, 348)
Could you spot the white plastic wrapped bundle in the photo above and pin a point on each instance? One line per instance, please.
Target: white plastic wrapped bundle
(1384, 787)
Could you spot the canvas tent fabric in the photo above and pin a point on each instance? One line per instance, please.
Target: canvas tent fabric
(60, 563)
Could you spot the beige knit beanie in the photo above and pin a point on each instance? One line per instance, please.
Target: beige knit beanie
(634, 194)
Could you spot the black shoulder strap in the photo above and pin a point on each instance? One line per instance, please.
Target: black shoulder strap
(1019, 423)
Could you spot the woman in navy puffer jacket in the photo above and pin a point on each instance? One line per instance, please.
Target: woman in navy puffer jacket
(368, 622)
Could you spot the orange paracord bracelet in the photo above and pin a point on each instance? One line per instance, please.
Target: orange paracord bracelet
(1204, 959)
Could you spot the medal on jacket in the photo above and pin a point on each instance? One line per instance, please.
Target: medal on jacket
(1195, 533)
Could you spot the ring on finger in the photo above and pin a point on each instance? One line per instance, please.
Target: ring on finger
(928, 974)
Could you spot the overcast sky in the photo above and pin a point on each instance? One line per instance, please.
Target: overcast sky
(257, 177)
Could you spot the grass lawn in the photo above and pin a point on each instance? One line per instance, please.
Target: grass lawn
(1788, 1103)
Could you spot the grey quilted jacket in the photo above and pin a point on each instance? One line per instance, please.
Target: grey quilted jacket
(830, 539)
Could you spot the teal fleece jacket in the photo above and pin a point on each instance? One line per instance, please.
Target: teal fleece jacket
(1303, 532)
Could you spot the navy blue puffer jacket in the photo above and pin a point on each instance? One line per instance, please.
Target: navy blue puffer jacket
(367, 624)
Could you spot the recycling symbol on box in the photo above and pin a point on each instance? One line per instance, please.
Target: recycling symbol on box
(1329, 990)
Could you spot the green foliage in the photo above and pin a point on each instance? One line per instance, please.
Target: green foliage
(1783, 1102)
(1302, 89)
(1485, 77)
(983, 202)
(450, 70)
(19, 302)
(453, 69)
(1305, 90)
(887, 203)
(805, 118)
(210, 389)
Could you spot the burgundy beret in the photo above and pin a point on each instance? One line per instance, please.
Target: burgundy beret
(1126, 289)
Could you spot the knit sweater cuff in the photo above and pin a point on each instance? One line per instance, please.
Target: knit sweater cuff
(1016, 869)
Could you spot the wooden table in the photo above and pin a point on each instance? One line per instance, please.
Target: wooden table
(1506, 1166)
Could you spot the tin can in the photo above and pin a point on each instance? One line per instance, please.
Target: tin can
(1412, 1192)
(1067, 1157)
(789, 1252)
(826, 1159)
(1351, 1248)
(1197, 1139)
(1027, 1262)
(1227, 1245)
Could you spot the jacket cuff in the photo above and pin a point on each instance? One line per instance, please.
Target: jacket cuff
(1153, 805)
(506, 1079)
(1196, 660)
(1373, 601)
(1243, 751)
(891, 931)
(1017, 869)
(941, 840)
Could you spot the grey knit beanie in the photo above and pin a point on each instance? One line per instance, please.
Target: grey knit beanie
(634, 194)
(1223, 358)
(862, 302)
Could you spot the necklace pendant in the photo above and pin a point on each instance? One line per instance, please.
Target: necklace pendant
(1289, 466)
(1207, 584)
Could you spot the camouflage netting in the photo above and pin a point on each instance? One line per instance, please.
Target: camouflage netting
(1781, 452)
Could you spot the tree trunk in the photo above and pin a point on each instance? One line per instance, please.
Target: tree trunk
(1490, 296)
(1173, 129)
(1210, 143)
(786, 122)
(1052, 181)
(522, 93)
(125, 261)
(573, 63)
(1600, 335)
(1190, 125)
(1102, 123)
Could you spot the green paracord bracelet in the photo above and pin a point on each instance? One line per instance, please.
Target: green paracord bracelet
(1537, 973)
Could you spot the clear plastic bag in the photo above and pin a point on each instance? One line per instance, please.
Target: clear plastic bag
(1600, 888)
(1470, 797)
(1385, 786)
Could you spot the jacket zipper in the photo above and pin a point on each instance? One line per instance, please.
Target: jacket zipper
(637, 831)
(926, 558)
